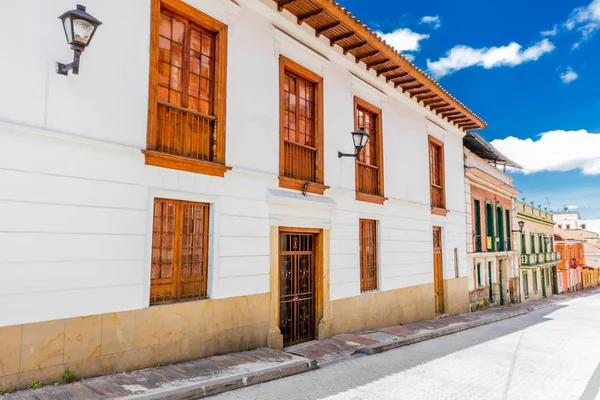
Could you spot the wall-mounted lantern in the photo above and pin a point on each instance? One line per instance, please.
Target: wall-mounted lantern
(79, 29)
(521, 225)
(360, 138)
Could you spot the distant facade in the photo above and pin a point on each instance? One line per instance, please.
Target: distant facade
(492, 251)
(570, 268)
(571, 220)
(538, 259)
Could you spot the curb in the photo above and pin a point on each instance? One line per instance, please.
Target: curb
(421, 337)
(209, 387)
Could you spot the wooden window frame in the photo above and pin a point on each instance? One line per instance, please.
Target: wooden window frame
(371, 198)
(179, 223)
(160, 159)
(477, 226)
(434, 209)
(365, 287)
(288, 182)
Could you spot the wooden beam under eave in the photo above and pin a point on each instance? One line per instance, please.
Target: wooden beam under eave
(418, 90)
(432, 100)
(366, 55)
(449, 113)
(457, 122)
(323, 29)
(438, 103)
(458, 117)
(425, 96)
(464, 124)
(396, 76)
(376, 63)
(412, 80)
(354, 47)
(470, 126)
(386, 70)
(442, 109)
(304, 17)
(336, 39)
(281, 5)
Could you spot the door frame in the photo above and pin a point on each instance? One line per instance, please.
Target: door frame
(275, 336)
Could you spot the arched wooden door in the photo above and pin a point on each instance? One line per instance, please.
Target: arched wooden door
(438, 270)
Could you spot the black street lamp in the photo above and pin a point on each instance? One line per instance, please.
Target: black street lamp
(79, 29)
(521, 225)
(360, 138)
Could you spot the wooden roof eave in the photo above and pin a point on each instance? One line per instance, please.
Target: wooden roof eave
(343, 29)
(374, 41)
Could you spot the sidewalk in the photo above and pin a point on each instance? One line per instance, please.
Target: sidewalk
(205, 377)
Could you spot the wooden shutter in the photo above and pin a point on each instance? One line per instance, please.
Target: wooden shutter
(436, 173)
(162, 286)
(368, 254)
(179, 251)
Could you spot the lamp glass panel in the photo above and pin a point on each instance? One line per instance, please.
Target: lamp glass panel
(365, 138)
(82, 31)
(357, 138)
(68, 32)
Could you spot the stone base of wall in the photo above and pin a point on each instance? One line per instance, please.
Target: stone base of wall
(479, 299)
(124, 341)
(384, 308)
(456, 295)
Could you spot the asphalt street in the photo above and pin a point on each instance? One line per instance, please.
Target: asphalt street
(553, 353)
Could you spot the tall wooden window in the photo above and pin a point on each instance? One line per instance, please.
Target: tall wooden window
(532, 244)
(535, 282)
(477, 221)
(179, 251)
(436, 176)
(368, 254)
(369, 165)
(301, 128)
(508, 232)
(186, 119)
(500, 227)
(525, 284)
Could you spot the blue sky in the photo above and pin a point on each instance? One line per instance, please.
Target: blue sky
(527, 68)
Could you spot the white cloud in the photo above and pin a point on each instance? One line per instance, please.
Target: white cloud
(460, 57)
(404, 40)
(587, 21)
(586, 31)
(554, 151)
(569, 75)
(433, 20)
(572, 207)
(551, 32)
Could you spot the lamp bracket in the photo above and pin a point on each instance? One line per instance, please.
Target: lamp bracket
(340, 155)
(63, 69)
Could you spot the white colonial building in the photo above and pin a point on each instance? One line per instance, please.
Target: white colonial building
(195, 157)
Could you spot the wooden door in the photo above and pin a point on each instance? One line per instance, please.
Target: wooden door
(438, 270)
(297, 287)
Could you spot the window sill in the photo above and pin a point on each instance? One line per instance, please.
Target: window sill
(297, 184)
(172, 302)
(370, 198)
(439, 211)
(369, 291)
(158, 159)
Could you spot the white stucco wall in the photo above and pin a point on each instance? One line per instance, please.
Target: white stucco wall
(77, 199)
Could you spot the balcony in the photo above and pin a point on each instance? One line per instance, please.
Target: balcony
(540, 258)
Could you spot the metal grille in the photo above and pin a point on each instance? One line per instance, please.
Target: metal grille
(296, 287)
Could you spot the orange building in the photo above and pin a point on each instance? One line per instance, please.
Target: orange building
(570, 268)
